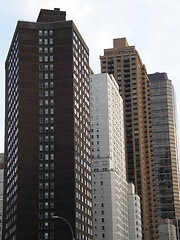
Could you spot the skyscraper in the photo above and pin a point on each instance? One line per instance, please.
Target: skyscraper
(123, 61)
(164, 135)
(47, 132)
(110, 214)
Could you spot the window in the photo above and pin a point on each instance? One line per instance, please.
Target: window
(46, 147)
(46, 76)
(40, 32)
(52, 120)
(52, 93)
(51, 84)
(46, 138)
(40, 84)
(40, 50)
(46, 102)
(50, 41)
(51, 75)
(40, 120)
(40, 41)
(45, 50)
(46, 67)
(40, 166)
(41, 148)
(41, 93)
(46, 236)
(46, 129)
(46, 195)
(46, 166)
(46, 205)
(51, 58)
(40, 67)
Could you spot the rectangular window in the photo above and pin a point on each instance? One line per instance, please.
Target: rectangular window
(45, 33)
(52, 93)
(51, 58)
(52, 156)
(40, 32)
(52, 120)
(46, 76)
(40, 58)
(40, 67)
(51, 75)
(51, 84)
(40, 50)
(45, 67)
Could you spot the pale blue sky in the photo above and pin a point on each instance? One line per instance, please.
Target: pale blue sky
(153, 26)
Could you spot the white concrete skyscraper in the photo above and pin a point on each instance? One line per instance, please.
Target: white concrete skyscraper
(110, 217)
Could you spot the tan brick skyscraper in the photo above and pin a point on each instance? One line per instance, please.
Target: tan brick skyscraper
(123, 61)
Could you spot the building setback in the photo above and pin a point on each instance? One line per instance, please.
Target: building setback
(164, 133)
(47, 132)
(123, 61)
(134, 214)
(110, 214)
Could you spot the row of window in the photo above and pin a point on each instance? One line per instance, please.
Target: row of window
(46, 150)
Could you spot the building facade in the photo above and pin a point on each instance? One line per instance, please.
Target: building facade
(110, 214)
(47, 132)
(123, 61)
(1, 190)
(164, 132)
(134, 214)
(167, 230)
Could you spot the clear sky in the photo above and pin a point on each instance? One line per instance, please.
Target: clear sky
(153, 26)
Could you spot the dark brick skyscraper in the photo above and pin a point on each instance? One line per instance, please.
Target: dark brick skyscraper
(47, 132)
